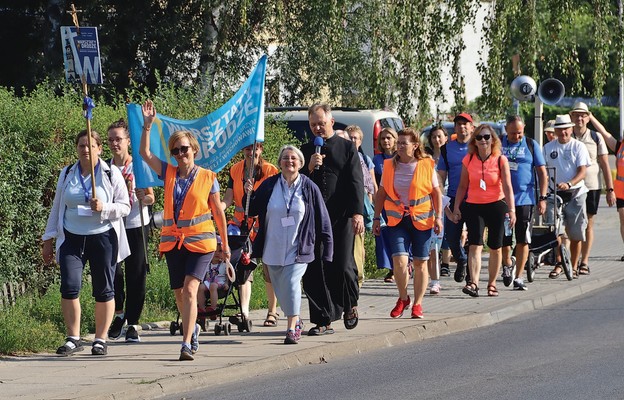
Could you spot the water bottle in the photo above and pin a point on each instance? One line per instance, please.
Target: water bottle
(507, 225)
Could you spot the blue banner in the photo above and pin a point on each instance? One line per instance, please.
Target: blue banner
(221, 134)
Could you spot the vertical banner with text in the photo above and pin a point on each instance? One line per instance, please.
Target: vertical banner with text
(81, 55)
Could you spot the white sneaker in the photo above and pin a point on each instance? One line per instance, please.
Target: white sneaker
(435, 288)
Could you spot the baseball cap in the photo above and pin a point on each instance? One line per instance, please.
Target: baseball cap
(465, 116)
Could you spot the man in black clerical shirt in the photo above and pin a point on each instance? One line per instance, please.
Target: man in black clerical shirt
(332, 287)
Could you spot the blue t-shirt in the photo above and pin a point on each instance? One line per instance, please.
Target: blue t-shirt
(455, 153)
(521, 165)
(378, 161)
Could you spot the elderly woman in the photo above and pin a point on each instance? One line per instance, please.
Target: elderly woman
(292, 217)
(486, 178)
(239, 174)
(87, 228)
(192, 207)
(386, 144)
(410, 194)
(137, 229)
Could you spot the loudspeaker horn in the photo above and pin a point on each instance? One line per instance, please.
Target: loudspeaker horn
(551, 91)
(523, 88)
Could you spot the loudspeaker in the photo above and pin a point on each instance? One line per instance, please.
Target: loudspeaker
(551, 91)
(523, 88)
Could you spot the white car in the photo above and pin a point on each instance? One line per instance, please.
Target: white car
(370, 121)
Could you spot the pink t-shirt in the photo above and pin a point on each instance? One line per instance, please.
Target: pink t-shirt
(487, 171)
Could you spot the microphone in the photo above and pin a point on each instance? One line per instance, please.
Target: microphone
(318, 142)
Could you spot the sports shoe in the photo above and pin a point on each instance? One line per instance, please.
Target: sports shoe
(132, 336)
(400, 306)
(195, 339)
(508, 272)
(298, 329)
(291, 337)
(518, 284)
(445, 270)
(186, 354)
(116, 327)
(417, 311)
(435, 288)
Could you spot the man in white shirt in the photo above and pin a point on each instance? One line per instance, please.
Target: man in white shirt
(571, 160)
(598, 153)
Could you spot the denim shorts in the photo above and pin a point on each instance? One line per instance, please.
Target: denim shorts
(404, 237)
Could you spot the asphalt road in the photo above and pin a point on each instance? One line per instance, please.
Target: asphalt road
(572, 350)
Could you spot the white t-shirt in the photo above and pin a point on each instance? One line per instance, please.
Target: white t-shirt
(566, 158)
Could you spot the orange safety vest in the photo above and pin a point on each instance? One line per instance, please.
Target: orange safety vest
(420, 205)
(618, 184)
(237, 173)
(194, 228)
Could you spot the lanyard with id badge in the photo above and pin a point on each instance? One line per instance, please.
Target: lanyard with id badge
(288, 220)
(513, 164)
(482, 184)
(85, 210)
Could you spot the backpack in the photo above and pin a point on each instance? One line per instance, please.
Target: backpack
(594, 135)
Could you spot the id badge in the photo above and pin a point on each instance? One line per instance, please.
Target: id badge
(288, 221)
(85, 211)
(513, 166)
(482, 184)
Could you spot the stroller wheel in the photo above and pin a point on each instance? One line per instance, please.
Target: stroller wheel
(240, 327)
(247, 325)
(181, 330)
(217, 329)
(173, 327)
(227, 329)
(530, 267)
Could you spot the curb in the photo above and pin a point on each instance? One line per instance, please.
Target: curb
(176, 384)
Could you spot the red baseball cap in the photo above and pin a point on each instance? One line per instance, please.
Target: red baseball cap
(465, 116)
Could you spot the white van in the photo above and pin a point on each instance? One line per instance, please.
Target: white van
(371, 122)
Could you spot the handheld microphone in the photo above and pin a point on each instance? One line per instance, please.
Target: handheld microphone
(318, 142)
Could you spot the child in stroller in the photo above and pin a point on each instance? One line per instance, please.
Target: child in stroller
(216, 280)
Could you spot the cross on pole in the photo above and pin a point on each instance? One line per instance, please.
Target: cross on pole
(87, 105)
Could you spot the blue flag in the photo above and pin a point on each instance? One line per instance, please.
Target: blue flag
(221, 134)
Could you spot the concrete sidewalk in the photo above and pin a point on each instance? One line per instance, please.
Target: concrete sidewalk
(151, 368)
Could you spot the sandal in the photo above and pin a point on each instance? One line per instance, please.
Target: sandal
(492, 291)
(583, 269)
(575, 274)
(554, 274)
(321, 330)
(70, 347)
(389, 278)
(271, 319)
(351, 318)
(99, 348)
(471, 289)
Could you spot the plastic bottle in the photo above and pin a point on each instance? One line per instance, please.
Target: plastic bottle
(507, 225)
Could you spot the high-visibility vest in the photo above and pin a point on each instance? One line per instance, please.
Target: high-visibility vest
(618, 184)
(194, 228)
(237, 172)
(420, 206)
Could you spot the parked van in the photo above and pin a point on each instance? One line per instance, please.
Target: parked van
(371, 122)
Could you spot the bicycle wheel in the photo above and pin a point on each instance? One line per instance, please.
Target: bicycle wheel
(565, 260)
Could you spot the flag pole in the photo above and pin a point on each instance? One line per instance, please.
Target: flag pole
(252, 168)
(87, 105)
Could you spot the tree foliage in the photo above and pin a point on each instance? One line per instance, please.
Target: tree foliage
(360, 53)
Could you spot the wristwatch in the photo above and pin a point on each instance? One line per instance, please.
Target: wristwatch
(543, 198)
(610, 190)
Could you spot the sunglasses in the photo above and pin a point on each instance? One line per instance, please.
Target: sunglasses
(481, 137)
(182, 149)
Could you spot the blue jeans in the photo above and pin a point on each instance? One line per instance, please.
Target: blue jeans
(453, 234)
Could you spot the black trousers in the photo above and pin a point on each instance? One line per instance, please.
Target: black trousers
(135, 271)
(331, 287)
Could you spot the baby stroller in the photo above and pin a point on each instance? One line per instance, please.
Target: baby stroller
(546, 230)
(240, 246)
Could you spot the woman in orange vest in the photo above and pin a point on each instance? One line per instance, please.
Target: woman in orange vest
(188, 238)
(410, 194)
(239, 175)
(618, 183)
(485, 177)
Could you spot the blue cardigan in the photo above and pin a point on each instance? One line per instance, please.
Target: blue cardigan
(315, 224)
